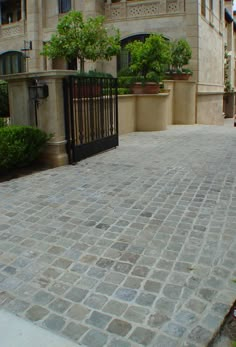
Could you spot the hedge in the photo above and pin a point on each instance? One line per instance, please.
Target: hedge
(20, 145)
(4, 103)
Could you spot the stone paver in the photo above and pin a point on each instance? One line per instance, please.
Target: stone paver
(133, 247)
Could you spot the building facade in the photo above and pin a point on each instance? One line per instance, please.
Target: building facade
(25, 25)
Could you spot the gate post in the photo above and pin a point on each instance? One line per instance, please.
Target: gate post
(50, 110)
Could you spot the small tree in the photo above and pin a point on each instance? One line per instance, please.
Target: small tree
(149, 58)
(77, 38)
(181, 53)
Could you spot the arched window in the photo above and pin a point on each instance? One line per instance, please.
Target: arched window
(11, 62)
(123, 59)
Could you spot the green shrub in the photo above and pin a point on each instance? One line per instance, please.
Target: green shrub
(3, 122)
(181, 53)
(125, 81)
(4, 103)
(94, 73)
(125, 71)
(123, 91)
(20, 145)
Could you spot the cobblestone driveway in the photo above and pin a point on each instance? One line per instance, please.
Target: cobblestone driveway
(133, 247)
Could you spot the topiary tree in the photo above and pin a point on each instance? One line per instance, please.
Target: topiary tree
(181, 53)
(82, 39)
(149, 58)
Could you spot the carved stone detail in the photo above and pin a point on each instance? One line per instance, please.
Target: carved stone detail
(172, 6)
(143, 10)
(11, 30)
(139, 9)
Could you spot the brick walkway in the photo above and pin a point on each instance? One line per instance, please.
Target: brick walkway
(133, 247)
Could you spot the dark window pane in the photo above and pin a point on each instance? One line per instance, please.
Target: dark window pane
(203, 7)
(64, 6)
(11, 62)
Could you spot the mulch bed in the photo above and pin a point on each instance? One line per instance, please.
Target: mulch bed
(229, 328)
(7, 175)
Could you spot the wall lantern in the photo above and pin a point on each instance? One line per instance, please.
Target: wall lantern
(37, 91)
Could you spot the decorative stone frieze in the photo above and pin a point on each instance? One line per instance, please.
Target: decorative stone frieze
(142, 9)
(9, 30)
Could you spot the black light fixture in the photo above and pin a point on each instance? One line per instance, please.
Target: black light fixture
(27, 47)
(37, 91)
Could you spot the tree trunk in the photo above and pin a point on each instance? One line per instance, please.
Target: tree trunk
(81, 65)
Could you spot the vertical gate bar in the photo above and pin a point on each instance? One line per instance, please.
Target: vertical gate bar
(111, 127)
(103, 108)
(87, 101)
(71, 88)
(98, 123)
(67, 119)
(116, 110)
(75, 107)
(102, 114)
(98, 84)
(86, 109)
(102, 105)
(80, 110)
(84, 92)
(91, 108)
(107, 107)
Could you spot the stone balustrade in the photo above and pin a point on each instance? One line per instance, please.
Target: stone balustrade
(126, 9)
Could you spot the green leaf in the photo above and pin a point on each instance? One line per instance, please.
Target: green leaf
(149, 57)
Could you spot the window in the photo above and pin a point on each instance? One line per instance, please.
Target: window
(203, 7)
(11, 62)
(64, 6)
(211, 17)
(220, 10)
(11, 11)
(211, 5)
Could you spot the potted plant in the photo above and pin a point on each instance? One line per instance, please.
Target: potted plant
(181, 53)
(229, 97)
(148, 61)
(89, 87)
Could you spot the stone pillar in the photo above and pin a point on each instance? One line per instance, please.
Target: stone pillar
(93, 8)
(182, 108)
(33, 29)
(19, 103)
(50, 112)
(22, 9)
(152, 112)
(184, 102)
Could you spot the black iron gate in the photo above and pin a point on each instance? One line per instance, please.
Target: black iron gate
(91, 115)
